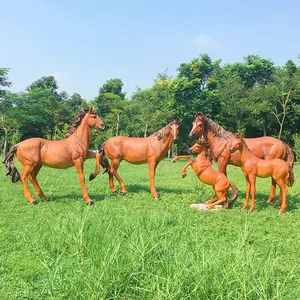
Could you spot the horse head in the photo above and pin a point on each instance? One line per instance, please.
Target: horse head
(198, 125)
(173, 127)
(237, 143)
(93, 119)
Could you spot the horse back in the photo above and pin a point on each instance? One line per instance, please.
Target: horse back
(133, 150)
(266, 147)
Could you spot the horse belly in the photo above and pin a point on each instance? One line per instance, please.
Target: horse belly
(135, 153)
(56, 158)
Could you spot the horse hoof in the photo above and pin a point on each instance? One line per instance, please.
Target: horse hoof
(34, 202)
(90, 203)
(92, 177)
(157, 197)
(123, 193)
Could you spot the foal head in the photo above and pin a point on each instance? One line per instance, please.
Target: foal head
(237, 143)
(198, 125)
(198, 147)
(93, 119)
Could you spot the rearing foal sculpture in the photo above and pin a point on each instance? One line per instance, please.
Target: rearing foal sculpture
(33, 153)
(221, 140)
(137, 151)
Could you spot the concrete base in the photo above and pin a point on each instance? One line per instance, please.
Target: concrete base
(203, 206)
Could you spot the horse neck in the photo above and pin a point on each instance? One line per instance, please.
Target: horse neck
(246, 154)
(217, 145)
(84, 133)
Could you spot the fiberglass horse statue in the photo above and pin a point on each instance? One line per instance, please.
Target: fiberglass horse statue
(33, 153)
(149, 150)
(206, 174)
(221, 141)
(253, 167)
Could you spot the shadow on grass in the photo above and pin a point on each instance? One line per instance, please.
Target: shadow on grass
(144, 188)
(94, 197)
(261, 200)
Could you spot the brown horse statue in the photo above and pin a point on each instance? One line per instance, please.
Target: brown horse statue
(33, 153)
(280, 171)
(149, 150)
(206, 174)
(221, 140)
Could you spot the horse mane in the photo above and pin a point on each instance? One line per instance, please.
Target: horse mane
(208, 151)
(216, 129)
(75, 124)
(163, 132)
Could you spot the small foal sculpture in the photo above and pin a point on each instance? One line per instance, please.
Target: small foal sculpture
(206, 174)
(280, 171)
(33, 153)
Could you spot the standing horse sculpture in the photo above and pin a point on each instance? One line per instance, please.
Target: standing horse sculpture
(206, 174)
(149, 150)
(33, 153)
(254, 167)
(221, 140)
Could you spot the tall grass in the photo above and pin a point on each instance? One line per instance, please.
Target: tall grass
(133, 247)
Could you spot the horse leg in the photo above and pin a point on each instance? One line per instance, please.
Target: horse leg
(183, 171)
(78, 163)
(24, 179)
(34, 182)
(152, 164)
(114, 170)
(273, 191)
(247, 193)
(221, 198)
(252, 179)
(283, 192)
(91, 154)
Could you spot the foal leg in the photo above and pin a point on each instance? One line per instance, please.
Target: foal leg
(221, 198)
(247, 193)
(24, 179)
(273, 191)
(114, 170)
(79, 167)
(252, 179)
(152, 164)
(34, 182)
(283, 192)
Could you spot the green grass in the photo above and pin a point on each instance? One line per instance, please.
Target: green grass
(133, 247)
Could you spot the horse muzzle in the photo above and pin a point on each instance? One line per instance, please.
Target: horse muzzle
(175, 140)
(102, 126)
(232, 150)
(191, 136)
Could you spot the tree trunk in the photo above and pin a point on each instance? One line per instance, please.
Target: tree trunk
(118, 124)
(5, 141)
(146, 128)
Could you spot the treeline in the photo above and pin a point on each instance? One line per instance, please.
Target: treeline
(254, 97)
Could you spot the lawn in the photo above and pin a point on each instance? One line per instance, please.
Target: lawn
(133, 247)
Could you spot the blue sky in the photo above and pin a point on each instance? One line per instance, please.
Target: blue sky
(85, 43)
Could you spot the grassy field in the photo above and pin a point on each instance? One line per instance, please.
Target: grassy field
(133, 247)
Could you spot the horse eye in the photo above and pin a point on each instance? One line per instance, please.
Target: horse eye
(93, 116)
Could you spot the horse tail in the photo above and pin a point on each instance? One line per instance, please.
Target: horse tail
(103, 162)
(235, 193)
(289, 156)
(291, 178)
(103, 159)
(11, 170)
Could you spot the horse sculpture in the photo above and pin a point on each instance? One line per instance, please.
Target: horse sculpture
(149, 150)
(221, 140)
(206, 174)
(254, 167)
(33, 153)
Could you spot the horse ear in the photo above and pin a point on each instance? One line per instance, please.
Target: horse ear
(90, 110)
(177, 119)
(195, 114)
(201, 114)
(241, 135)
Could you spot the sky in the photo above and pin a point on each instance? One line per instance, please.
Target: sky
(85, 43)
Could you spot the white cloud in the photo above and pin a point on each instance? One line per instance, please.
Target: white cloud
(205, 40)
